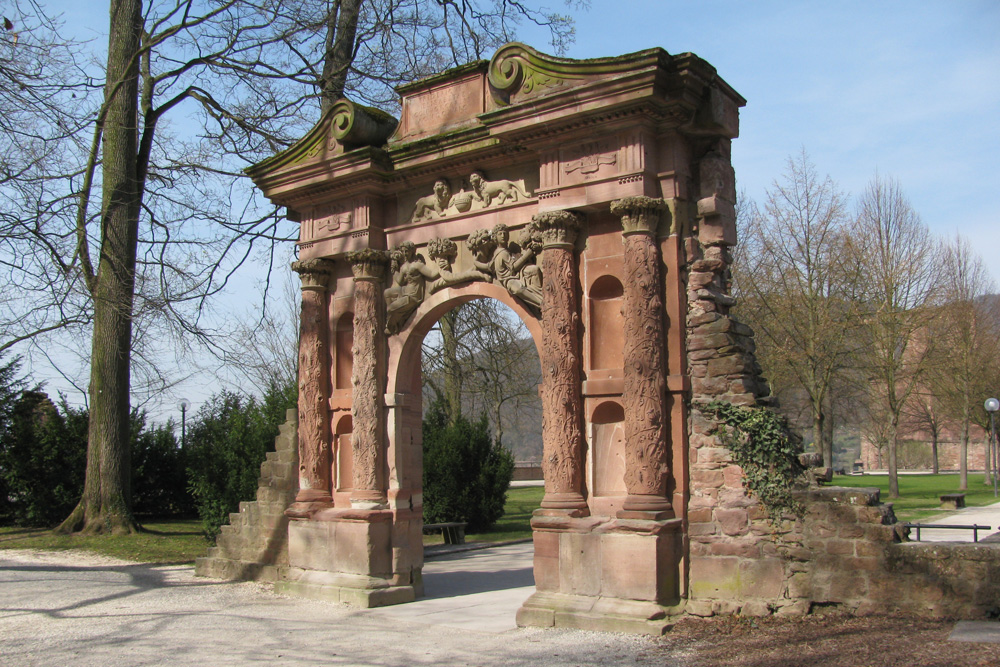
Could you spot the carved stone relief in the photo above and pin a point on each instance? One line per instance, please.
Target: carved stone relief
(482, 193)
(413, 279)
(314, 435)
(562, 404)
(589, 158)
(368, 380)
(513, 265)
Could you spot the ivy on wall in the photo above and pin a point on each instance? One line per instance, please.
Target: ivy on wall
(766, 450)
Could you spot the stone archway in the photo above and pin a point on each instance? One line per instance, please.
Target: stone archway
(576, 192)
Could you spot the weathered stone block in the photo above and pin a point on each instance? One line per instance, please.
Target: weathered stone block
(715, 578)
(761, 578)
(546, 561)
(732, 521)
(579, 563)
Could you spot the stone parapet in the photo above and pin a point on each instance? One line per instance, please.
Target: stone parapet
(254, 545)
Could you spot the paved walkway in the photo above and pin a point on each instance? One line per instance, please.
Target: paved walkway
(73, 608)
(77, 609)
(987, 515)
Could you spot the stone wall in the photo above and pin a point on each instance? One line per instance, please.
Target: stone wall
(255, 543)
(846, 553)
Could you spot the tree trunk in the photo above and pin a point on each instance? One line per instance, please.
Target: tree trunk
(963, 452)
(341, 32)
(893, 471)
(934, 453)
(106, 505)
(819, 436)
(452, 372)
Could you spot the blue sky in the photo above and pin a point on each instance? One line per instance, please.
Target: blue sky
(908, 88)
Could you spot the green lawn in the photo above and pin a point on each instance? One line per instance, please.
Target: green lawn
(513, 525)
(181, 541)
(919, 495)
(164, 541)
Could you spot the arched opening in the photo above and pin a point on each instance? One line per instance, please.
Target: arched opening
(606, 324)
(499, 371)
(607, 463)
(343, 459)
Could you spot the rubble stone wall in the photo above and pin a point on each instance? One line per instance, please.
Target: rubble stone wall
(846, 553)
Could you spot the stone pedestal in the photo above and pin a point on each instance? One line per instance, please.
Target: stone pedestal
(598, 573)
(346, 556)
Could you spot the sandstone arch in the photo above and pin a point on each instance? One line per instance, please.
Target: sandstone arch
(577, 193)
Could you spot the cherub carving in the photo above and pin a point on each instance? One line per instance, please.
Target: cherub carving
(407, 292)
(501, 190)
(433, 205)
(443, 252)
(512, 267)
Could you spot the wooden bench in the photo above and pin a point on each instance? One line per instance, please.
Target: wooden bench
(952, 501)
(454, 532)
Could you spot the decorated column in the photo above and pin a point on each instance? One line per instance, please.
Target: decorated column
(368, 379)
(314, 384)
(562, 403)
(647, 465)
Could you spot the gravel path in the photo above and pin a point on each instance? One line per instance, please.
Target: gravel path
(79, 609)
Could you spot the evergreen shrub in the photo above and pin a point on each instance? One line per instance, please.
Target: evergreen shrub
(466, 473)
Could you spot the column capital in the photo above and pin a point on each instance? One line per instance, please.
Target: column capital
(314, 273)
(558, 228)
(640, 215)
(368, 264)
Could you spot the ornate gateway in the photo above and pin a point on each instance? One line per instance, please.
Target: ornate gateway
(579, 193)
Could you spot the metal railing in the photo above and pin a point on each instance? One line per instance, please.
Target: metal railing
(975, 528)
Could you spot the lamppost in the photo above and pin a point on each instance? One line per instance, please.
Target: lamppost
(183, 405)
(992, 405)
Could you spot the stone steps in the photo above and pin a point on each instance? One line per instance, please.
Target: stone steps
(255, 542)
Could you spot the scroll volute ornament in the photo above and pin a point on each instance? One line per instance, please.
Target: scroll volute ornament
(355, 125)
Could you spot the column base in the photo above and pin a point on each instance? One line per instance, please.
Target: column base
(605, 573)
(353, 590)
(582, 612)
(646, 505)
(346, 555)
(572, 501)
(368, 500)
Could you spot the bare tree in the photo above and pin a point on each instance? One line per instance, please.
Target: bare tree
(490, 363)
(174, 219)
(903, 283)
(798, 277)
(966, 341)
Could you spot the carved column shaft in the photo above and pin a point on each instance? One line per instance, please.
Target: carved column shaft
(368, 380)
(314, 383)
(647, 465)
(562, 402)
